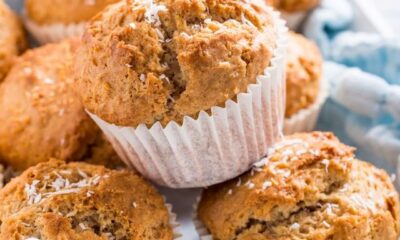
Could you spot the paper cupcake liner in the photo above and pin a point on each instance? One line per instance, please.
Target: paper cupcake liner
(173, 222)
(215, 147)
(306, 119)
(54, 32)
(294, 20)
(201, 230)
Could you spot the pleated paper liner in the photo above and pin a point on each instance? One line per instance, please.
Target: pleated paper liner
(306, 119)
(173, 222)
(54, 32)
(215, 147)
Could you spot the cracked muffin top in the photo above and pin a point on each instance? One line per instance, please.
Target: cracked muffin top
(55, 200)
(310, 187)
(41, 117)
(291, 6)
(46, 12)
(158, 61)
(12, 39)
(303, 74)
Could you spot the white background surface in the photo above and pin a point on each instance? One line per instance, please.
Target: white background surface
(391, 11)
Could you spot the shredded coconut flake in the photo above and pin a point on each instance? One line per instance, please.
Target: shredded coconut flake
(230, 192)
(266, 185)
(326, 224)
(295, 226)
(326, 163)
(142, 77)
(132, 25)
(151, 15)
(83, 226)
(134, 205)
(250, 185)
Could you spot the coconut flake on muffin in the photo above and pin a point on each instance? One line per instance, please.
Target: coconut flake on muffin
(309, 187)
(178, 85)
(82, 201)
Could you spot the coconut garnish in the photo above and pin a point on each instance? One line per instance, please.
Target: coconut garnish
(295, 226)
(152, 10)
(60, 186)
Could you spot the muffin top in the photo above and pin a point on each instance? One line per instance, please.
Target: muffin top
(12, 38)
(55, 200)
(45, 12)
(292, 6)
(41, 117)
(147, 62)
(310, 187)
(303, 74)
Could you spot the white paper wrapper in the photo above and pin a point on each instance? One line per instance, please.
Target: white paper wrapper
(212, 148)
(54, 32)
(203, 232)
(306, 119)
(173, 222)
(294, 20)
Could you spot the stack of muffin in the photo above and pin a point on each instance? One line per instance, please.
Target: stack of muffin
(184, 93)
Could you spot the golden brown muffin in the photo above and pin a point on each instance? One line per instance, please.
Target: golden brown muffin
(291, 6)
(303, 74)
(41, 117)
(12, 38)
(55, 200)
(310, 187)
(44, 12)
(143, 62)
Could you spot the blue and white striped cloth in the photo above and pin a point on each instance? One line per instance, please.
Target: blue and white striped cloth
(364, 74)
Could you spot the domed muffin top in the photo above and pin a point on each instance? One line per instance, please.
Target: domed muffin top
(42, 117)
(150, 61)
(303, 74)
(12, 39)
(310, 187)
(56, 200)
(45, 12)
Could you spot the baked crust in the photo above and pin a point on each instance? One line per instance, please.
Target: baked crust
(160, 62)
(55, 200)
(303, 74)
(310, 187)
(41, 116)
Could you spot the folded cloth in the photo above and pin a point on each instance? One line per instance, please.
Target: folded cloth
(364, 104)
(363, 110)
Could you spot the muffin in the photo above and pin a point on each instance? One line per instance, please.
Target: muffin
(173, 66)
(56, 200)
(55, 20)
(309, 187)
(305, 89)
(41, 116)
(12, 39)
(294, 11)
